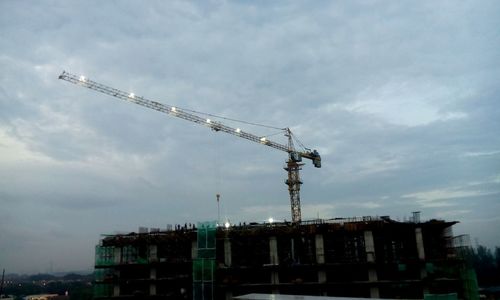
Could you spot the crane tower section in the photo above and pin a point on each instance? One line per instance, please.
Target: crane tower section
(294, 156)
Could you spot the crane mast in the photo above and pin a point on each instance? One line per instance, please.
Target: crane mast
(293, 165)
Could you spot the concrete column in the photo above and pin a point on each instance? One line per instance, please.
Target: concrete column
(228, 261)
(194, 249)
(275, 279)
(274, 260)
(321, 276)
(320, 256)
(420, 250)
(152, 289)
(420, 243)
(370, 258)
(372, 277)
(369, 246)
(320, 249)
(273, 250)
(116, 286)
(153, 253)
(152, 284)
(421, 255)
(117, 259)
(116, 290)
(227, 252)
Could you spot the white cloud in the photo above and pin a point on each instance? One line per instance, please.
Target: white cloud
(359, 204)
(452, 214)
(442, 194)
(481, 153)
(408, 104)
(263, 212)
(444, 197)
(369, 204)
(321, 210)
(14, 151)
(375, 166)
(392, 106)
(279, 212)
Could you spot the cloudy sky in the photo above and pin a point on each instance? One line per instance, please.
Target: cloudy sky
(400, 98)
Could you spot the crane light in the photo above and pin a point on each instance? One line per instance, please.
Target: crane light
(238, 130)
(83, 79)
(131, 95)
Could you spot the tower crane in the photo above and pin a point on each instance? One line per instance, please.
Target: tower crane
(293, 165)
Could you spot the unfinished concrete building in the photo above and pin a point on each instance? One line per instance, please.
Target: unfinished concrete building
(372, 257)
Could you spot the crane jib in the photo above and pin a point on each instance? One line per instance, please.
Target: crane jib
(293, 165)
(171, 110)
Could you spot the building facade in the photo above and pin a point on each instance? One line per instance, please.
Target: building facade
(372, 257)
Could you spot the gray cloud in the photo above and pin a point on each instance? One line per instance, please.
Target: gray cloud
(402, 102)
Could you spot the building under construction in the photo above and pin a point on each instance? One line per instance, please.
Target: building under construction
(372, 257)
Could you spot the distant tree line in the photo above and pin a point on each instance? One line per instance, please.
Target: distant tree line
(486, 263)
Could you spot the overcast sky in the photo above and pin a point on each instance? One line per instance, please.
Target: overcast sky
(401, 98)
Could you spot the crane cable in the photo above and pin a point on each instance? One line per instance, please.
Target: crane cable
(218, 176)
(281, 130)
(230, 119)
(273, 134)
(299, 142)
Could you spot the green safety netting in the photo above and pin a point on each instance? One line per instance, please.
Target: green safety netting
(204, 264)
(103, 290)
(104, 256)
(471, 288)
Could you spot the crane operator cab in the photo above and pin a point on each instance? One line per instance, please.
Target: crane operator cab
(312, 155)
(295, 156)
(316, 159)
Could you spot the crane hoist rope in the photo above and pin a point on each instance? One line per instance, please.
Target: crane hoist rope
(293, 165)
(230, 119)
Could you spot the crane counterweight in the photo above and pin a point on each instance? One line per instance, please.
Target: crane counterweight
(294, 157)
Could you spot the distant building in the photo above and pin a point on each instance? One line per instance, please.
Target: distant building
(372, 257)
(46, 297)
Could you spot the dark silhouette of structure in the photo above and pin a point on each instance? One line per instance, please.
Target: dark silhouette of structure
(373, 257)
